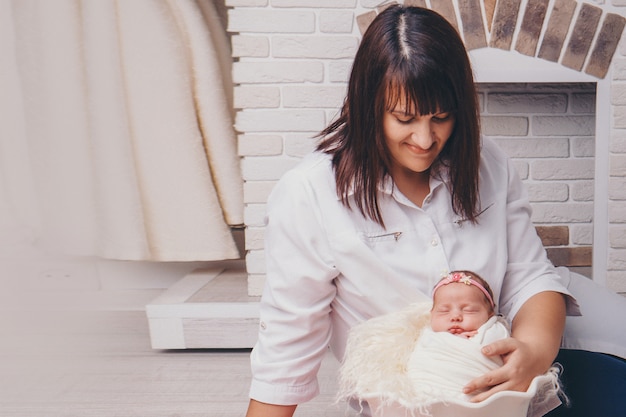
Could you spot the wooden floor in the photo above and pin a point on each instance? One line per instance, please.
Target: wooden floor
(100, 363)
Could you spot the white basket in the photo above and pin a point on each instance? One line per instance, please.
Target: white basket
(501, 404)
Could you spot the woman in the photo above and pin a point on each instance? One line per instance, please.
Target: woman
(400, 191)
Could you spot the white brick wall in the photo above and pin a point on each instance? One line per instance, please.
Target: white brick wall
(292, 61)
(616, 276)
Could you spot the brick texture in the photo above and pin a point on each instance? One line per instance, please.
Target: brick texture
(250, 46)
(580, 256)
(247, 97)
(530, 30)
(582, 190)
(553, 164)
(270, 21)
(528, 102)
(504, 22)
(257, 191)
(277, 72)
(542, 192)
(254, 238)
(605, 46)
(246, 3)
(563, 169)
(582, 36)
(315, 3)
(618, 237)
(364, 20)
(446, 9)
(535, 147)
(322, 47)
(333, 21)
(490, 8)
(260, 145)
(564, 125)
(553, 235)
(293, 59)
(473, 28)
(558, 26)
(417, 3)
(505, 125)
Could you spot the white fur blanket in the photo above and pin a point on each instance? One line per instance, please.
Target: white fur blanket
(375, 369)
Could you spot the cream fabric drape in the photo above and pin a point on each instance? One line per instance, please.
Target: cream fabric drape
(116, 135)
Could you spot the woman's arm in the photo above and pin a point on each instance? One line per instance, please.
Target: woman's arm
(534, 343)
(294, 312)
(259, 409)
(531, 293)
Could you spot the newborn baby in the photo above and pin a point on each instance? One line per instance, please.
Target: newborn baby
(448, 354)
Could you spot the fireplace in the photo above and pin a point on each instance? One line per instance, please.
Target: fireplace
(293, 59)
(548, 129)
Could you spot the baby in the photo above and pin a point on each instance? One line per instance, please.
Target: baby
(448, 354)
(416, 361)
(462, 309)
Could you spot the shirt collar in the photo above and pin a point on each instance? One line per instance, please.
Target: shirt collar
(439, 175)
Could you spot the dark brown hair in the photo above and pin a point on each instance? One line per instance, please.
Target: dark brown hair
(413, 54)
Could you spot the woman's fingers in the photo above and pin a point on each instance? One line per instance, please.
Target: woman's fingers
(487, 383)
(502, 347)
(511, 376)
(486, 394)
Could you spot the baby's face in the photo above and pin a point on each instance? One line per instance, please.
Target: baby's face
(458, 308)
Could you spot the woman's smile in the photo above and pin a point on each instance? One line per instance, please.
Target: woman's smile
(416, 149)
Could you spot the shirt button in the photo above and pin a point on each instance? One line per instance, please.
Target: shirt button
(263, 325)
(434, 242)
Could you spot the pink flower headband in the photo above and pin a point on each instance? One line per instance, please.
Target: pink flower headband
(463, 279)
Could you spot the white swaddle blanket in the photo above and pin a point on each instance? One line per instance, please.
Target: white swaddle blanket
(441, 363)
(376, 369)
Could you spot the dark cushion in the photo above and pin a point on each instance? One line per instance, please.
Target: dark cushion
(595, 384)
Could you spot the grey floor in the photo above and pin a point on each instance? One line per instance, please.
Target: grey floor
(100, 363)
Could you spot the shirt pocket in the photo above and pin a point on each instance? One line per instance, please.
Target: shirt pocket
(383, 244)
(374, 238)
(395, 247)
(483, 216)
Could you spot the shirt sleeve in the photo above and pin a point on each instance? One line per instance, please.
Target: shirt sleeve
(529, 271)
(295, 325)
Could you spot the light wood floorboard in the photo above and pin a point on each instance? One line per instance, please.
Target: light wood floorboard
(100, 364)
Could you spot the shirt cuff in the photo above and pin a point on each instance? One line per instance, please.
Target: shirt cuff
(273, 393)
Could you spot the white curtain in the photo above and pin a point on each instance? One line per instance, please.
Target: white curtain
(116, 135)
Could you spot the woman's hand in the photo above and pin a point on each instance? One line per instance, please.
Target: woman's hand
(521, 365)
(536, 337)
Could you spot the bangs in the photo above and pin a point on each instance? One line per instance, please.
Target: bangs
(423, 92)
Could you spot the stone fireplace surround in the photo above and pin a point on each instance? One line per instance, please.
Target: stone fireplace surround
(510, 41)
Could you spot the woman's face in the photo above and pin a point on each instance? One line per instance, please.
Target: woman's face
(458, 308)
(415, 141)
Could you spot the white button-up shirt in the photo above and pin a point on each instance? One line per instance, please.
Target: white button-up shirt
(329, 268)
